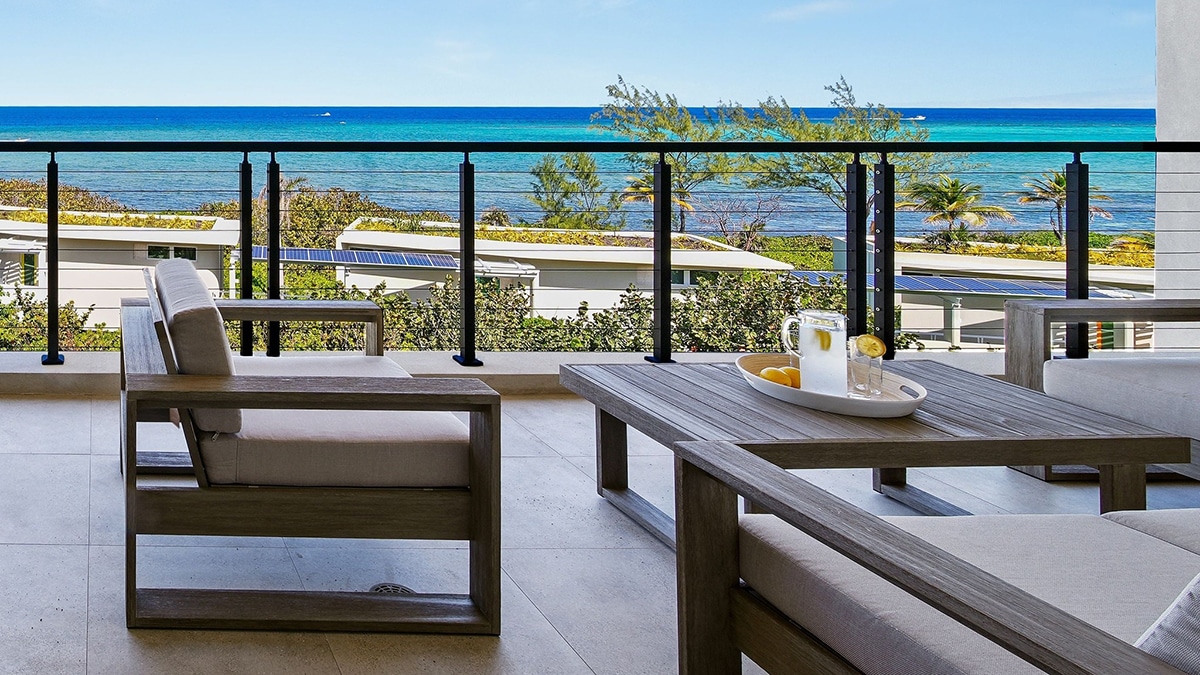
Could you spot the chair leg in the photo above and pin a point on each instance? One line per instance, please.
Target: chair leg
(706, 556)
(485, 514)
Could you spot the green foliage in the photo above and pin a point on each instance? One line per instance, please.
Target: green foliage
(804, 252)
(151, 220)
(32, 194)
(824, 172)
(1051, 188)
(23, 322)
(568, 190)
(1128, 250)
(495, 217)
(559, 237)
(314, 218)
(956, 204)
(642, 114)
(735, 313)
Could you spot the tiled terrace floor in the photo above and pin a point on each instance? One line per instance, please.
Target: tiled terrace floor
(585, 590)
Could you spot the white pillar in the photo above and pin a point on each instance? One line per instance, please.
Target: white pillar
(1177, 245)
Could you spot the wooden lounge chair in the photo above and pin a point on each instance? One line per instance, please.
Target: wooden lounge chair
(824, 587)
(342, 446)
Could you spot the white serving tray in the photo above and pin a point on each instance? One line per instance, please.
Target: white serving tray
(900, 397)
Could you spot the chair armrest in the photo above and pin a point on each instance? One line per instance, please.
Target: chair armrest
(352, 311)
(324, 393)
(1027, 327)
(1034, 630)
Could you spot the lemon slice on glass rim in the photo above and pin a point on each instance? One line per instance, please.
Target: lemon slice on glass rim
(869, 345)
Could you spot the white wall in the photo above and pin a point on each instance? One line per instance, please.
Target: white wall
(1177, 258)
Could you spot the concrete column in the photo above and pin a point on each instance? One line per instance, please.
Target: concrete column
(1177, 245)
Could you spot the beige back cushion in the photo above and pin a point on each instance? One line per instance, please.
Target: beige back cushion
(197, 335)
(1175, 637)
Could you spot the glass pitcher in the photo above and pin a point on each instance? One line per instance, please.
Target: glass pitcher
(818, 339)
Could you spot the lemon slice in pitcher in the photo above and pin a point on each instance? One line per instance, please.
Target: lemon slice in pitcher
(869, 345)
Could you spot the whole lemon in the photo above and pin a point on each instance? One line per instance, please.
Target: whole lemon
(776, 375)
(794, 373)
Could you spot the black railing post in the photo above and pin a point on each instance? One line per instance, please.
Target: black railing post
(246, 263)
(466, 263)
(52, 357)
(274, 281)
(885, 255)
(856, 247)
(662, 262)
(1077, 252)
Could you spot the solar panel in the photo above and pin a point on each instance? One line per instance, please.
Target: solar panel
(320, 255)
(418, 259)
(443, 261)
(341, 256)
(920, 283)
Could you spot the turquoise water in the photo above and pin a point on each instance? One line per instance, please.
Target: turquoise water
(430, 181)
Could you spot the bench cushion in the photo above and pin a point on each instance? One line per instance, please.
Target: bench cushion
(197, 335)
(1111, 576)
(345, 448)
(1180, 527)
(1159, 392)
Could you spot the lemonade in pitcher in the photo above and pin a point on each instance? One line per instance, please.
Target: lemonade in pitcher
(818, 338)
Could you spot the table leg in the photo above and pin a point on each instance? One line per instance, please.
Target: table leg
(893, 482)
(1122, 487)
(612, 453)
(612, 479)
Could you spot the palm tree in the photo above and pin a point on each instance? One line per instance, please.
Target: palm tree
(1051, 188)
(953, 202)
(641, 189)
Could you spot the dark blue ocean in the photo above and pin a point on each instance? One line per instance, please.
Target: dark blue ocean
(415, 182)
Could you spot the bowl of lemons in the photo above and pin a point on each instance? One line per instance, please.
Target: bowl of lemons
(777, 375)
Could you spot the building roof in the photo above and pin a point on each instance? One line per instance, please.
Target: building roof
(724, 258)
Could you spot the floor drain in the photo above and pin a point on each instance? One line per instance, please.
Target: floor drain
(395, 589)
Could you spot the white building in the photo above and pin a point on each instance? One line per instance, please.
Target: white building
(100, 264)
(559, 276)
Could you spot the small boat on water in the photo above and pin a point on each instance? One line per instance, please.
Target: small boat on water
(917, 118)
(18, 140)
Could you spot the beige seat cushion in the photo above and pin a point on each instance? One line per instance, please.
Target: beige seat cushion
(1159, 392)
(197, 335)
(347, 448)
(333, 365)
(1180, 527)
(338, 447)
(1111, 576)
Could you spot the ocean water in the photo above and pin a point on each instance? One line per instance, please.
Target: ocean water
(429, 181)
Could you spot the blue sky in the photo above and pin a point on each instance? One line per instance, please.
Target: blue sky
(903, 53)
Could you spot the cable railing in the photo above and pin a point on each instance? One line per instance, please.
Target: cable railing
(624, 277)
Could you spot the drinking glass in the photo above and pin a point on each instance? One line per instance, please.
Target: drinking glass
(818, 338)
(866, 373)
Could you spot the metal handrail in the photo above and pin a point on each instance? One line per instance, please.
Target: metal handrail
(884, 189)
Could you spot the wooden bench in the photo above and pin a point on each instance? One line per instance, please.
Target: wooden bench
(890, 579)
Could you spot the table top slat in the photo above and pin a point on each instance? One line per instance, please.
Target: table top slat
(713, 402)
(1034, 410)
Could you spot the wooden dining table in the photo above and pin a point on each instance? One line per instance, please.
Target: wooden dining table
(967, 419)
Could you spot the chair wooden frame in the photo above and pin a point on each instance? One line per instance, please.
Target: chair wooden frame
(720, 618)
(150, 387)
(1027, 326)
